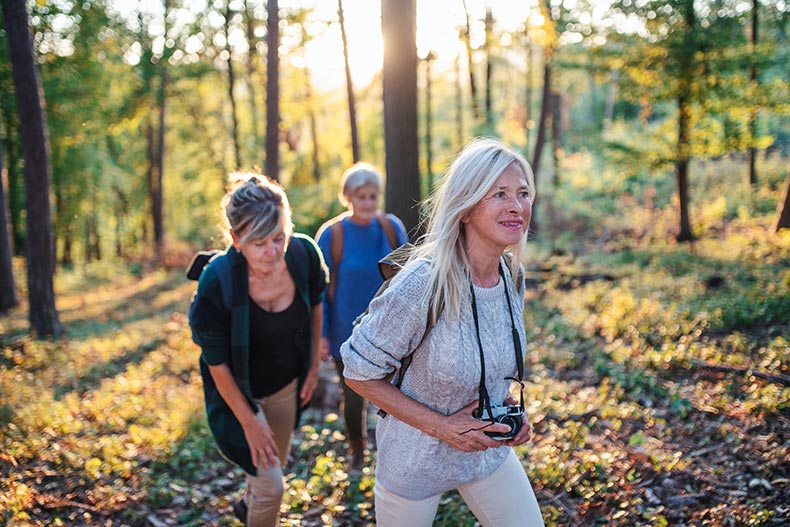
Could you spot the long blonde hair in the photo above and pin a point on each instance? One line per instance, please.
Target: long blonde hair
(468, 180)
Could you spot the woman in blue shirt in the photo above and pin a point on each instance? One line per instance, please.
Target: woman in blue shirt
(352, 244)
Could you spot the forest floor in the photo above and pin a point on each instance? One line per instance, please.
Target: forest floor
(659, 394)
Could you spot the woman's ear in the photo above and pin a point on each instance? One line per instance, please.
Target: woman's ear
(236, 241)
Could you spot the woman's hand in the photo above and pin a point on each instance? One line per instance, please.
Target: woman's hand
(524, 434)
(310, 382)
(260, 439)
(462, 431)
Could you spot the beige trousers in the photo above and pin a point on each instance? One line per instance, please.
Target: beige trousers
(503, 499)
(264, 492)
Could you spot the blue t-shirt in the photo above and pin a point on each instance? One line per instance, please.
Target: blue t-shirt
(358, 275)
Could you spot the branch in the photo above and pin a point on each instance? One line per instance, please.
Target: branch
(779, 379)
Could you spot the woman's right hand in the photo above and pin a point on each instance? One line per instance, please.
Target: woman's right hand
(260, 439)
(462, 431)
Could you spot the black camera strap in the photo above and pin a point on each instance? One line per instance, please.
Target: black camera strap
(484, 400)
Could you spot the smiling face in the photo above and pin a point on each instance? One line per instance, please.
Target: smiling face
(363, 203)
(264, 255)
(502, 217)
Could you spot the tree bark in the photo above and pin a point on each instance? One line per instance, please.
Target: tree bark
(528, 96)
(459, 105)
(755, 83)
(35, 151)
(428, 116)
(398, 23)
(545, 116)
(251, 69)
(272, 163)
(231, 89)
(684, 118)
(556, 136)
(467, 36)
(352, 107)
(783, 216)
(611, 98)
(8, 297)
(489, 30)
(15, 191)
(157, 190)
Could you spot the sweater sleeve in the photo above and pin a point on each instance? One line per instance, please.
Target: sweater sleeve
(394, 325)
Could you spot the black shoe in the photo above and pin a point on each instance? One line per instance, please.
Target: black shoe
(240, 510)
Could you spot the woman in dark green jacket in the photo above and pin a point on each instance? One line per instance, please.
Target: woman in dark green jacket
(257, 317)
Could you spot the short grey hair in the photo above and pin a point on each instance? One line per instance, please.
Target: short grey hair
(358, 175)
(258, 204)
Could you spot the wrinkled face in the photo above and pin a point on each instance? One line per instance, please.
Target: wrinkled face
(363, 203)
(502, 216)
(263, 255)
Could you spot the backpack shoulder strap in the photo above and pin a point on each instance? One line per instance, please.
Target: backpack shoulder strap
(225, 275)
(336, 233)
(389, 229)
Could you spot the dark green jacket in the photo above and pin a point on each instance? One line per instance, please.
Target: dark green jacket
(220, 320)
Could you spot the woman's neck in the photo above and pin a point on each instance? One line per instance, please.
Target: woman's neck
(484, 269)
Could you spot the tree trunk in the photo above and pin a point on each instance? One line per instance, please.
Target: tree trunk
(608, 114)
(755, 83)
(35, 151)
(489, 29)
(428, 116)
(8, 298)
(556, 135)
(231, 88)
(352, 107)
(528, 97)
(783, 216)
(251, 69)
(272, 163)
(310, 101)
(398, 23)
(684, 118)
(16, 203)
(157, 190)
(543, 122)
(459, 105)
(467, 36)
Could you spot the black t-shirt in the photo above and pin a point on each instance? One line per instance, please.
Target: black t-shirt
(274, 358)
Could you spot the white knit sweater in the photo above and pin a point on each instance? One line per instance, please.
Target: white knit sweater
(444, 375)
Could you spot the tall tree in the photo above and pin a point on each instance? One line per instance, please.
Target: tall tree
(466, 36)
(272, 163)
(489, 43)
(250, 72)
(684, 96)
(429, 58)
(399, 28)
(459, 104)
(8, 298)
(232, 88)
(35, 151)
(352, 107)
(783, 216)
(753, 77)
(158, 172)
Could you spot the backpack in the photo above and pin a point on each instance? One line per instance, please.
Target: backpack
(336, 230)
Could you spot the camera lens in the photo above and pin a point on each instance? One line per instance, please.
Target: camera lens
(513, 421)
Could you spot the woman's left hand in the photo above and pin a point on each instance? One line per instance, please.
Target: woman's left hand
(524, 434)
(310, 382)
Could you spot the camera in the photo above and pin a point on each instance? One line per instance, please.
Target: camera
(511, 415)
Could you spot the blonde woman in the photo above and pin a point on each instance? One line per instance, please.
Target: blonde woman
(257, 317)
(440, 432)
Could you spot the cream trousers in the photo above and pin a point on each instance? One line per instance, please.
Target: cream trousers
(503, 499)
(264, 492)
